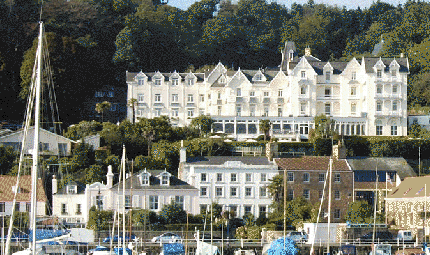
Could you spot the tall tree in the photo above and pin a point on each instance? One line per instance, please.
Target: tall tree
(132, 104)
(265, 126)
(102, 107)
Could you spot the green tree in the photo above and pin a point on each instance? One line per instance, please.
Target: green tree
(276, 189)
(265, 126)
(99, 220)
(143, 216)
(203, 123)
(93, 174)
(132, 104)
(7, 157)
(83, 129)
(359, 212)
(173, 214)
(102, 107)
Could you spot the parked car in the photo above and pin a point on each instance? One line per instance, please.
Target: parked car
(115, 238)
(167, 238)
(405, 236)
(298, 236)
(380, 236)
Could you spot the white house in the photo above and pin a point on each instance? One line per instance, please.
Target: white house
(149, 189)
(68, 203)
(366, 96)
(22, 204)
(49, 143)
(239, 184)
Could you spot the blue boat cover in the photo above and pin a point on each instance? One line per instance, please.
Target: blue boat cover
(173, 249)
(46, 234)
(119, 251)
(277, 247)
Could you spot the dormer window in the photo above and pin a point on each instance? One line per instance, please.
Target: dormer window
(190, 81)
(140, 81)
(394, 73)
(157, 81)
(379, 73)
(145, 179)
(175, 81)
(258, 77)
(291, 55)
(353, 76)
(238, 92)
(71, 189)
(327, 76)
(165, 180)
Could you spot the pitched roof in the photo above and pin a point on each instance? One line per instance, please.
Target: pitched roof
(220, 160)
(311, 163)
(411, 187)
(395, 164)
(131, 75)
(6, 193)
(41, 130)
(154, 182)
(79, 185)
(370, 62)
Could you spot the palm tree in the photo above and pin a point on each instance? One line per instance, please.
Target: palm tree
(265, 126)
(102, 107)
(132, 104)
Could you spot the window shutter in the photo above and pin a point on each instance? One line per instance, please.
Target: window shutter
(135, 201)
(187, 204)
(160, 202)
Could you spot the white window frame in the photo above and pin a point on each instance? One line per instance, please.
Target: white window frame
(203, 191)
(190, 98)
(157, 98)
(248, 192)
(290, 176)
(394, 130)
(307, 178)
(175, 81)
(306, 194)
(233, 179)
(219, 191)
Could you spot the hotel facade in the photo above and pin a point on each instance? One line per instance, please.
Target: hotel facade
(366, 96)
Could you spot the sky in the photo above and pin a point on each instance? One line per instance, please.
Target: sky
(350, 4)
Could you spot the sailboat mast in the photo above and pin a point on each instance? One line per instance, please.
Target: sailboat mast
(36, 139)
(329, 205)
(123, 199)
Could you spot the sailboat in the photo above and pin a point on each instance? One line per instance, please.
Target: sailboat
(37, 237)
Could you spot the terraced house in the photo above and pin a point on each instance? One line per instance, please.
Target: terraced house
(364, 96)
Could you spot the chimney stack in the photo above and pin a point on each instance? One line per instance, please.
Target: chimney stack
(109, 177)
(307, 51)
(54, 185)
(339, 151)
(182, 153)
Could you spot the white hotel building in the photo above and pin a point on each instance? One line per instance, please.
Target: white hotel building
(366, 96)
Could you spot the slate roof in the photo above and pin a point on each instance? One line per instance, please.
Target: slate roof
(370, 62)
(395, 164)
(154, 182)
(220, 160)
(79, 185)
(411, 187)
(309, 163)
(6, 193)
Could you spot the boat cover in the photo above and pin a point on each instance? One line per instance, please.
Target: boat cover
(42, 234)
(277, 247)
(119, 251)
(173, 249)
(206, 249)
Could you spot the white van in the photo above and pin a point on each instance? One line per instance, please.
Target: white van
(405, 235)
